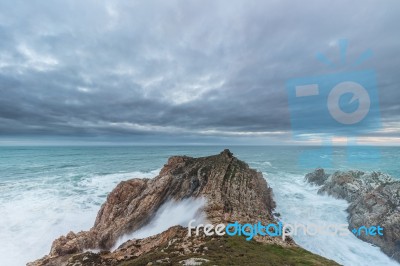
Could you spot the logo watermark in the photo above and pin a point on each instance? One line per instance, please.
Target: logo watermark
(280, 230)
(336, 105)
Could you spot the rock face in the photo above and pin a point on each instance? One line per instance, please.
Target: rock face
(233, 191)
(374, 200)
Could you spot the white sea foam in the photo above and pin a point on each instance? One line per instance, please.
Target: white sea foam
(267, 163)
(298, 202)
(34, 212)
(170, 214)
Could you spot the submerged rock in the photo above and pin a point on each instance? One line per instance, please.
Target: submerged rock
(374, 200)
(233, 191)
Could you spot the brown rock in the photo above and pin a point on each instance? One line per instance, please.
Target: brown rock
(233, 191)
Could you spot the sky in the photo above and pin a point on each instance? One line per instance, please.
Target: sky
(198, 72)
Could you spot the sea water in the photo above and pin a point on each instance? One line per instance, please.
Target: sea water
(45, 192)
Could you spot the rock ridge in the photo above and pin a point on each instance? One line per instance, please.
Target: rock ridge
(233, 191)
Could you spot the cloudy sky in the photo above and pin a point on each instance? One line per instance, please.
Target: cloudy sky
(183, 71)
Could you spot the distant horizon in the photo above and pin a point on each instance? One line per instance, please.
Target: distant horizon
(132, 144)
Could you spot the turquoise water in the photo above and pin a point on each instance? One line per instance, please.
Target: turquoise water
(47, 191)
(34, 162)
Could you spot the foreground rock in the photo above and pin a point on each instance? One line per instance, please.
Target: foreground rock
(233, 191)
(374, 200)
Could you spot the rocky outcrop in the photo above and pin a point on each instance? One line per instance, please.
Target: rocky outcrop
(374, 200)
(233, 192)
(317, 177)
(175, 247)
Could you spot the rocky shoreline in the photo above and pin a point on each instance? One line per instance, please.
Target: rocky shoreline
(234, 192)
(374, 200)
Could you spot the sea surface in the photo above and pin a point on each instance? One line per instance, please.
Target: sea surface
(46, 192)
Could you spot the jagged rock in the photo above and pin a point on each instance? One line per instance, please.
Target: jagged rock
(233, 191)
(317, 177)
(374, 200)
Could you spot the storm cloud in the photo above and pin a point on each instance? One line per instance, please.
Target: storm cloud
(204, 69)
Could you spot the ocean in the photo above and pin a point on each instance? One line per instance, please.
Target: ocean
(46, 192)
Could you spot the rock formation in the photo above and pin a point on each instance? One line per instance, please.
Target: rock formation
(374, 200)
(233, 191)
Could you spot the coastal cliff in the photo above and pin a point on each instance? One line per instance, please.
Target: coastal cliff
(233, 192)
(374, 200)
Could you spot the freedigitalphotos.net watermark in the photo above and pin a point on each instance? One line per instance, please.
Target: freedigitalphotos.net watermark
(280, 230)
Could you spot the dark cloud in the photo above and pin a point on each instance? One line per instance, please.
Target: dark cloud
(176, 68)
